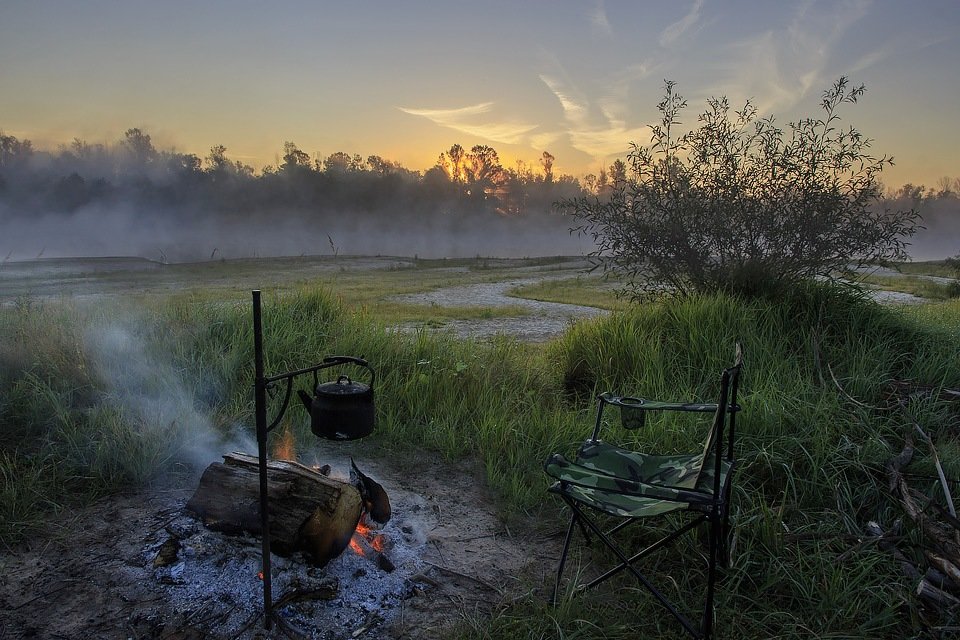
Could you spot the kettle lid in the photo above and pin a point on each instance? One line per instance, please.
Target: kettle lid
(342, 386)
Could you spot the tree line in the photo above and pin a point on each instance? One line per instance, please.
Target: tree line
(134, 171)
(464, 189)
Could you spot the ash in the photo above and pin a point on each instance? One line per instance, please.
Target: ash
(212, 579)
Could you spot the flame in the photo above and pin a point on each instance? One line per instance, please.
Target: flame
(260, 575)
(285, 448)
(366, 534)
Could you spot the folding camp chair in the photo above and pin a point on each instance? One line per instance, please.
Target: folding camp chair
(634, 486)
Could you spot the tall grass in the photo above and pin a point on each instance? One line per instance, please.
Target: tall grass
(812, 455)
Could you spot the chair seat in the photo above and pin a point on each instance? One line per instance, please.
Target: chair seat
(616, 503)
(632, 484)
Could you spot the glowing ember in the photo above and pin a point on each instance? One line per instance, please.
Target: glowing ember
(365, 537)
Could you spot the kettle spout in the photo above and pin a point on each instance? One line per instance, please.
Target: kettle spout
(306, 399)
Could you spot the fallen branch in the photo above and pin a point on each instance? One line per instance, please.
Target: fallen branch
(847, 395)
(927, 591)
(874, 530)
(464, 575)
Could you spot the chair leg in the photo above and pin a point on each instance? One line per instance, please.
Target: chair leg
(725, 533)
(563, 559)
(716, 525)
(625, 563)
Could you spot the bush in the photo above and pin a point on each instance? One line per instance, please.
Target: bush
(740, 205)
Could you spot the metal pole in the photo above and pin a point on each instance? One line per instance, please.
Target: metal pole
(260, 397)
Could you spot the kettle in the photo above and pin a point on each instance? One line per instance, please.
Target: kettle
(341, 409)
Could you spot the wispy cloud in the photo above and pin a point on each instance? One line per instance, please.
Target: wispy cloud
(599, 21)
(779, 67)
(574, 106)
(598, 128)
(450, 116)
(476, 120)
(669, 35)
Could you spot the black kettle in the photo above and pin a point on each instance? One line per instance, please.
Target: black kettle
(342, 409)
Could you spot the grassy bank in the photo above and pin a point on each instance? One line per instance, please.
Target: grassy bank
(73, 384)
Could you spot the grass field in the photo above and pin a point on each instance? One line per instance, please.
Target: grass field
(84, 390)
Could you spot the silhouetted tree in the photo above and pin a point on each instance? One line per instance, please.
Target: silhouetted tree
(13, 152)
(453, 162)
(546, 161)
(618, 174)
(338, 162)
(139, 147)
(483, 167)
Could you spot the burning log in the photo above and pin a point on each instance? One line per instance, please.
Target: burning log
(309, 512)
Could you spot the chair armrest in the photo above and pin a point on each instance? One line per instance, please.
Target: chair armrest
(656, 405)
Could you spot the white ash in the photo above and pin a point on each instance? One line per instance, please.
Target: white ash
(214, 579)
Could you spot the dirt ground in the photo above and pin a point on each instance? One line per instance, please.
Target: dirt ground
(94, 575)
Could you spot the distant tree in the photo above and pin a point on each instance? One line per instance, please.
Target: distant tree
(184, 164)
(382, 166)
(483, 167)
(948, 187)
(739, 204)
(546, 161)
(453, 162)
(139, 147)
(603, 181)
(618, 174)
(338, 162)
(293, 158)
(13, 152)
(912, 192)
(357, 163)
(217, 162)
(590, 182)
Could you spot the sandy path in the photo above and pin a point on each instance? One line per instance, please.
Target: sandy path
(545, 320)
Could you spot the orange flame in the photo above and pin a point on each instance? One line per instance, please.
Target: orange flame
(367, 535)
(285, 448)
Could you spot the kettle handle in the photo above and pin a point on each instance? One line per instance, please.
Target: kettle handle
(360, 362)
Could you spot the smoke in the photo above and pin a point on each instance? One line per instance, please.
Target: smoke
(154, 398)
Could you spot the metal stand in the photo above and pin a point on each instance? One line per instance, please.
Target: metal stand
(260, 385)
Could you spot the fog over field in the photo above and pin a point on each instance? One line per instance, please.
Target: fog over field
(132, 199)
(128, 231)
(97, 231)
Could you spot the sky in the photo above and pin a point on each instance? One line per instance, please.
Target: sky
(406, 80)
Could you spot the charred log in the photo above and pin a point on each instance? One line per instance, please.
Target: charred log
(308, 511)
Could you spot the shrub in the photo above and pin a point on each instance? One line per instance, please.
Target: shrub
(741, 205)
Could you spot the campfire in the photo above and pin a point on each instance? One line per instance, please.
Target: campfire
(295, 509)
(310, 512)
(210, 553)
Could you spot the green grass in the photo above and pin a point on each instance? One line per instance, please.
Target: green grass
(914, 285)
(590, 291)
(812, 459)
(937, 268)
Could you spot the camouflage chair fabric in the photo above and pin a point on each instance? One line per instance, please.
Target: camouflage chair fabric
(633, 484)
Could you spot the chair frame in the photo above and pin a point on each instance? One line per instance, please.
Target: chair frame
(712, 509)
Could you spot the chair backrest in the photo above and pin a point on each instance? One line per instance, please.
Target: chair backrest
(725, 416)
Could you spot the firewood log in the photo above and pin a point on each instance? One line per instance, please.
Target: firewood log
(308, 511)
